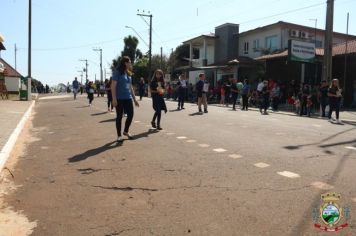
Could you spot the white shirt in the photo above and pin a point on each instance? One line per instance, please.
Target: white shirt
(260, 87)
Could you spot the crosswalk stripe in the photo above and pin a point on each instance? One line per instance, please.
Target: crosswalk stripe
(261, 165)
(203, 145)
(181, 137)
(351, 148)
(219, 150)
(289, 174)
(235, 156)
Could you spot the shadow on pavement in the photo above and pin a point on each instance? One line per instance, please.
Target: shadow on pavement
(94, 152)
(82, 106)
(100, 113)
(196, 114)
(109, 120)
(145, 134)
(174, 110)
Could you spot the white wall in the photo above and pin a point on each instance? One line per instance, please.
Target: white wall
(261, 35)
(12, 84)
(193, 76)
(209, 55)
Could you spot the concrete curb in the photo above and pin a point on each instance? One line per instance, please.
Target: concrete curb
(6, 150)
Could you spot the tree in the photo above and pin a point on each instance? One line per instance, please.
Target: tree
(156, 63)
(130, 50)
(140, 69)
(177, 58)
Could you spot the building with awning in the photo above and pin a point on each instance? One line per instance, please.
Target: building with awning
(11, 77)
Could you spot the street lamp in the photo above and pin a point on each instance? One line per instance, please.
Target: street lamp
(129, 27)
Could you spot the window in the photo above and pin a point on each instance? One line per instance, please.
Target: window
(246, 48)
(271, 43)
(256, 44)
(318, 43)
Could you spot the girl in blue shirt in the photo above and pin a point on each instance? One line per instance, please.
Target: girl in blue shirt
(122, 96)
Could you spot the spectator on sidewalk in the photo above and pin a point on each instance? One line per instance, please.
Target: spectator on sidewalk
(335, 96)
(122, 95)
(157, 93)
(275, 94)
(202, 88)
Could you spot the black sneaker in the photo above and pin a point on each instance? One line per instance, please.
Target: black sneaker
(153, 124)
(159, 128)
(119, 139)
(205, 111)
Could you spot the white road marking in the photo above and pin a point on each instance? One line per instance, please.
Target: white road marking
(137, 121)
(219, 150)
(191, 141)
(351, 148)
(315, 125)
(44, 147)
(261, 165)
(203, 145)
(170, 133)
(289, 174)
(235, 156)
(322, 185)
(181, 137)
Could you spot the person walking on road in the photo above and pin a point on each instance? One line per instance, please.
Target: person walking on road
(109, 94)
(323, 97)
(182, 86)
(122, 95)
(157, 93)
(245, 92)
(334, 94)
(75, 86)
(90, 90)
(202, 89)
(141, 87)
(234, 93)
(265, 95)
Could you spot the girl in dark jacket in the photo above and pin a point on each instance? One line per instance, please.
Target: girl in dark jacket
(157, 93)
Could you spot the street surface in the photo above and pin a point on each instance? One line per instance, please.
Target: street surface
(222, 173)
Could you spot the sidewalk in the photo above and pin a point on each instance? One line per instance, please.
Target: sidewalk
(11, 119)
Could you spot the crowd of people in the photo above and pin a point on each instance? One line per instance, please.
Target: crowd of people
(267, 94)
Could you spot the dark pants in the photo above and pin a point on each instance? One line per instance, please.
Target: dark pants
(227, 98)
(323, 104)
(181, 96)
(234, 99)
(110, 101)
(244, 102)
(157, 116)
(128, 107)
(303, 107)
(275, 103)
(334, 106)
(90, 97)
(141, 92)
(264, 104)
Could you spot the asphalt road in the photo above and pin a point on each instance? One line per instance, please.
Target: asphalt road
(222, 173)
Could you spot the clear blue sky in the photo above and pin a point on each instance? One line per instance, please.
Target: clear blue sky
(64, 31)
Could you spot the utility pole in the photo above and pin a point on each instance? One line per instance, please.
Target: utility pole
(81, 76)
(15, 57)
(161, 59)
(86, 69)
(315, 60)
(150, 45)
(29, 51)
(345, 64)
(101, 62)
(327, 64)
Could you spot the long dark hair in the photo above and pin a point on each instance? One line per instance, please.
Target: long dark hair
(122, 66)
